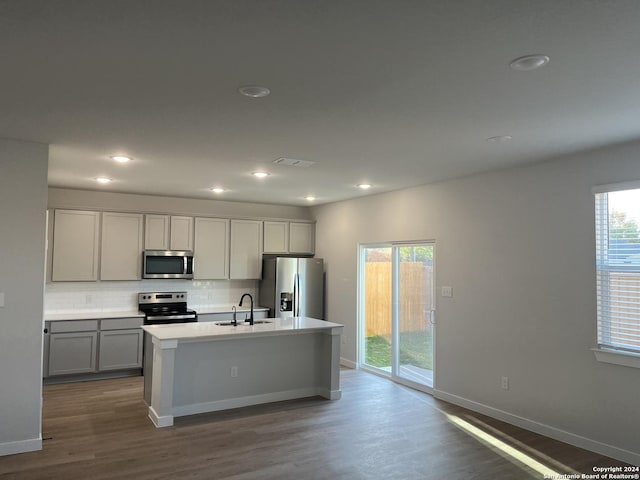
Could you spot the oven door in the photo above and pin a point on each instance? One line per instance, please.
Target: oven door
(167, 264)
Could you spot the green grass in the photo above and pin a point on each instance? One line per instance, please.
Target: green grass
(415, 349)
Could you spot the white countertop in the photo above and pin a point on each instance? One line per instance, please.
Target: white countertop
(56, 317)
(75, 315)
(185, 332)
(225, 309)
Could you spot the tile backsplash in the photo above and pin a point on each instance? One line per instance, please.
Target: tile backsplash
(64, 297)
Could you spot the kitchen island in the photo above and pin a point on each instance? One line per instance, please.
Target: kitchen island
(204, 367)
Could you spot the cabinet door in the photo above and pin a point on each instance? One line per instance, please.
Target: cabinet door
(211, 249)
(156, 232)
(276, 237)
(181, 233)
(75, 245)
(301, 238)
(120, 257)
(120, 349)
(72, 353)
(246, 244)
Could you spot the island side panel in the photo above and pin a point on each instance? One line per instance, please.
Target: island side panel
(163, 377)
(329, 366)
(269, 369)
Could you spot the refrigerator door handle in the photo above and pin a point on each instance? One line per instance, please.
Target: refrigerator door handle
(295, 294)
(296, 300)
(299, 294)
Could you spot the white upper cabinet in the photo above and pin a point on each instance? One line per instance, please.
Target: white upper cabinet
(166, 232)
(246, 249)
(301, 238)
(122, 241)
(211, 249)
(181, 233)
(156, 232)
(75, 245)
(288, 237)
(276, 237)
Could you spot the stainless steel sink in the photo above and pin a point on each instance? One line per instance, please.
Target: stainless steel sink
(257, 322)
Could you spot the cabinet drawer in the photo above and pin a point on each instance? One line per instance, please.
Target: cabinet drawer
(120, 323)
(74, 326)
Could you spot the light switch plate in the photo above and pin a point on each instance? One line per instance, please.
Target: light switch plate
(447, 291)
(1, 299)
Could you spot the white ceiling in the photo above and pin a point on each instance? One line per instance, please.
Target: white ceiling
(395, 93)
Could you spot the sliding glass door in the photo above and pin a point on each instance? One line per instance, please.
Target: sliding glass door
(396, 311)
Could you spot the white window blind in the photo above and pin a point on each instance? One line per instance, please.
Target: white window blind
(618, 269)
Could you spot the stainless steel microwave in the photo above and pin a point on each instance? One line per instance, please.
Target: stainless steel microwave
(167, 264)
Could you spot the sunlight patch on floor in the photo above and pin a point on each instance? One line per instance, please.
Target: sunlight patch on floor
(503, 448)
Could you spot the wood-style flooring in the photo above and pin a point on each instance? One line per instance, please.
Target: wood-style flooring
(378, 430)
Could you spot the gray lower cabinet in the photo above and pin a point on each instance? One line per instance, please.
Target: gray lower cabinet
(120, 349)
(71, 353)
(90, 346)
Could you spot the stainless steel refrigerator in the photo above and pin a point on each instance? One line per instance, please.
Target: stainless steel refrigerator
(293, 287)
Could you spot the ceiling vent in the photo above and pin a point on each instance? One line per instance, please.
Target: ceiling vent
(292, 162)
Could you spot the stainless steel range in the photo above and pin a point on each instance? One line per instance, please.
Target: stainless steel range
(165, 307)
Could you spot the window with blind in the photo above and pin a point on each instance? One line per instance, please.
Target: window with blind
(618, 268)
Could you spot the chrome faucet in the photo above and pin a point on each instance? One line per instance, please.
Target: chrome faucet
(235, 320)
(240, 304)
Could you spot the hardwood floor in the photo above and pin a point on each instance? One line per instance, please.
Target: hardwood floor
(378, 430)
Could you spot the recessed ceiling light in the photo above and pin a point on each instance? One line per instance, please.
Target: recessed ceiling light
(254, 91)
(103, 180)
(260, 174)
(217, 190)
(121, 158)
(310, 198)
(529, 62)
(499, 139)
(364, 186)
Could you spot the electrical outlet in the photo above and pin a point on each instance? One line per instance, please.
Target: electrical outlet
(505, 383)
(234, 372)
(88, 299)
(447, 291)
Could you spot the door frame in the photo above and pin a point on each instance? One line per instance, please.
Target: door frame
(361, 324)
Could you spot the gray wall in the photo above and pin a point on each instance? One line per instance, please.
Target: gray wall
(23, 203)
(126, 202)
(517, 246)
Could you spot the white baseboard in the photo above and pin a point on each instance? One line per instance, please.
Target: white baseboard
(576, 440)
(193, 409)
(329, 394)
(348, 363)
(23, 446)
(160, 421)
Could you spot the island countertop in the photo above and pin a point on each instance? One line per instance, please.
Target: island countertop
(209, 331)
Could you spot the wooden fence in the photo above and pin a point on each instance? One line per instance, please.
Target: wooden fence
(415, 297)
